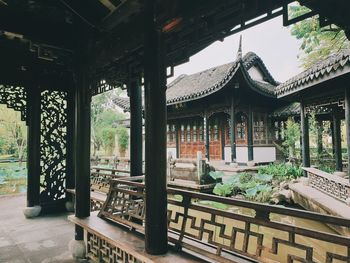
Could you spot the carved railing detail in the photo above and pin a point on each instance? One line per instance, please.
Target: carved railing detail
(330, 184)
(125, 203)
(100, 250)
(253, 230)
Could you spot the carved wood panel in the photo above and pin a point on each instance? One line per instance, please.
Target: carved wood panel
(53, 145)
(15, 98)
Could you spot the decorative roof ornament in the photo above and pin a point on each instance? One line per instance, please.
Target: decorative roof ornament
(239, 53)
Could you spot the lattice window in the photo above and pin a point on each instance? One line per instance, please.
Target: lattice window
(53, 145)
(188, 133)
(182, 133)
(241, 126)
(259, 131)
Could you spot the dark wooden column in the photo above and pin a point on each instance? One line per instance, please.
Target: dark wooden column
(250, 134)
(304, 122)
(337, 140)
(136, 127)
(177, 140)
(33, 148)
(156, 230)
(222, 136)
(82, 148)
(206, 136)
(233, 130)
(70, 163)
(347, 123)
(319, 137)
(332, 135)
(279, 131)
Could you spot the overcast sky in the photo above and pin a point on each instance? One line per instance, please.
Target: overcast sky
(270, 41)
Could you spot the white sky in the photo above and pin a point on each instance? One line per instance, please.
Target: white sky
(272, 42)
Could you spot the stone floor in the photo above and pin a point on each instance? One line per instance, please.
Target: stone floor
(43, 239)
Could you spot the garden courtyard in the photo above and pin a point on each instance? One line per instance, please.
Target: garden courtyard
(150, 131)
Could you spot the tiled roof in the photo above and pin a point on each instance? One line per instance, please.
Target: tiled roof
(334, 64)
(204, 83)
(201, 84)
(123, 103)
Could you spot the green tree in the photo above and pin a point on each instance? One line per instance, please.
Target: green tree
(317, 43)
(123, 139)
(108, 138)
(103, 118)
(291, 136)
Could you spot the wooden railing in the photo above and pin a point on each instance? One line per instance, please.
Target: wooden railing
(99, 184)
(330, 184)
(221, 228)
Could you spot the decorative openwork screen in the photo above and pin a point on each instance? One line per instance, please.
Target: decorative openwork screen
(14, 97)
(53, 145)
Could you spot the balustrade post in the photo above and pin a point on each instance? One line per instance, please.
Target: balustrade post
(156, 229)
(135, 127)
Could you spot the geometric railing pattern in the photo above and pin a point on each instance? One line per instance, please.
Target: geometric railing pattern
(222, 229)
(53, 145)
(15, 98)
(330, 184)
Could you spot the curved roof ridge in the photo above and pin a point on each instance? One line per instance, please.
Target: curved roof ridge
(333, 63)
(186, 85)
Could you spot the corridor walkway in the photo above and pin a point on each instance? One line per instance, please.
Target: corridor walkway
(41, 240)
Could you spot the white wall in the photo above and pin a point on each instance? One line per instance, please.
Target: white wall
(261, 154)
(264, 154)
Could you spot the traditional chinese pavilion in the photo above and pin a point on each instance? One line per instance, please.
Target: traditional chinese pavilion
(202, 107)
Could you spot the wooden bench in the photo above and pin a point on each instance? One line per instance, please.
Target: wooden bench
(108, 242)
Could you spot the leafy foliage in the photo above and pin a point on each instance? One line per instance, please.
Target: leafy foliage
(291, 136)
(316, 43)
(216, 175)
(123, 138)
(250, 185)
(281, 171)
(103, 117)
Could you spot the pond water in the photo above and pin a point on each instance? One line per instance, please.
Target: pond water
(13, 178)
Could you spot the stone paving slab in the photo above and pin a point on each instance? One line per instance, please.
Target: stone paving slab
(39, 240)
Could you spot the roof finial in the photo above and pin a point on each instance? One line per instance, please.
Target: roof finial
(239, 53)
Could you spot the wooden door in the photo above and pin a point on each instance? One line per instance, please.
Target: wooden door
(191, 140)
(215, 146)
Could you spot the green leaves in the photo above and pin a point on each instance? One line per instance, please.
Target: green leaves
(223, 189)
(316, 43)
(216, 175)
(281, 171)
